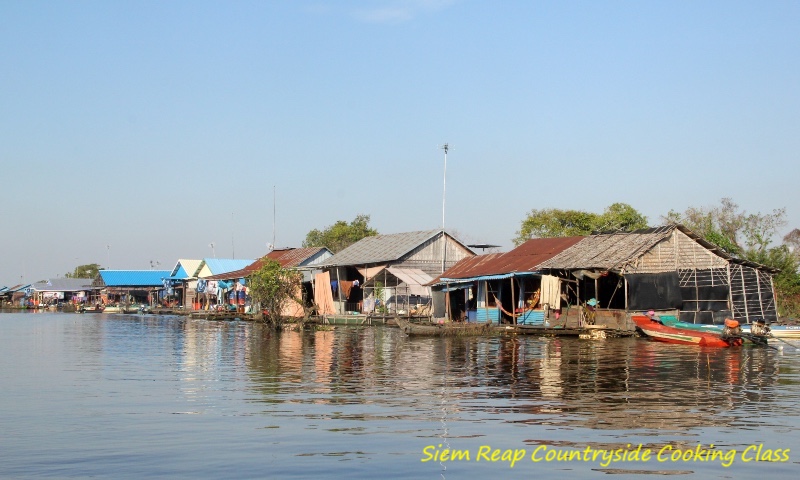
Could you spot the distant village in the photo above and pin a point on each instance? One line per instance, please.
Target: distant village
(599, 279)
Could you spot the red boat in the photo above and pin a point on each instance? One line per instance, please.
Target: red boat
(658, 331)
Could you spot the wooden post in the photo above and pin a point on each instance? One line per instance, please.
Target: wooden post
(513, 303)
(339, 290)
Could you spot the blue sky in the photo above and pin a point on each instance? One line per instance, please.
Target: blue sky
(156, 128)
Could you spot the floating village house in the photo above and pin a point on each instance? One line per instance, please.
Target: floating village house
(129, 287)
(305, 260)
(211, 292)
(183, 281)
(62, 290)
(386, 273)
(602, 279)
(484, 287)
(15, 295)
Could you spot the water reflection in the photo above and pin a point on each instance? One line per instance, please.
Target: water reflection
(94, 391)
(619, 384)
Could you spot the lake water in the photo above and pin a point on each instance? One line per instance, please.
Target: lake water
(132, 396)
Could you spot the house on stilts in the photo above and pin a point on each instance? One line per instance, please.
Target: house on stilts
(602, 279)
(386, 274)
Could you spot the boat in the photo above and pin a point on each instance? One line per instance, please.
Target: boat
(98, 308)
(776, 331)
(443, 329)
(653, 328)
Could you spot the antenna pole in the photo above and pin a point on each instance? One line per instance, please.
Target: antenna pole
(444, 147)
(273, 217)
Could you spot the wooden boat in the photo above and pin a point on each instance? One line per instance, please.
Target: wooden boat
(663, 333)
(783, 331)
(777, 331)
(98, 308)
(443, 329)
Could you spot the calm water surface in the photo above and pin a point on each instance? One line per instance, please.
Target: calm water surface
(119, 396)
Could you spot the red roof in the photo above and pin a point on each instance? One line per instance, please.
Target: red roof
(287, 257)
(525, 258)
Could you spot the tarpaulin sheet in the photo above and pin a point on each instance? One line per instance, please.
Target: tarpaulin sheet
(323, 296)
(658, 291)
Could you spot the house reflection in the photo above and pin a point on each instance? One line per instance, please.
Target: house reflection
(608, 384)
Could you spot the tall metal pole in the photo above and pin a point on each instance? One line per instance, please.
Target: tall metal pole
(273, 217)
(445, 147)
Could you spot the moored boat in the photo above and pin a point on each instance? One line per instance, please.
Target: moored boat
(443, 329)
(656, 330)
(98, 308)
(777, 331)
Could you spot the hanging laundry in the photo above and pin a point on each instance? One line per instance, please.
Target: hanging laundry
(346, 287)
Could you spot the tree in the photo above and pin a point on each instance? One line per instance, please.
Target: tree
(273, 287)
(555, 222)
(340, 235)
(84, 271)
(750, 236)
(792, 240)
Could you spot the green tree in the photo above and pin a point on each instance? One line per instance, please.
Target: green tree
(340, 235)
(554, 222)
(750, 236)
(84, 271)
(272, 287)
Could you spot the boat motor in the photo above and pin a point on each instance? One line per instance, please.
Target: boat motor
(732, 332)
(759, 327)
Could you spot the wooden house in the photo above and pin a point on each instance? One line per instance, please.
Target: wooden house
(386, 273)
(604, 278)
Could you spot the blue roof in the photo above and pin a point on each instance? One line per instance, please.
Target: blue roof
(224, 265)
(134, 278)
(181, 273)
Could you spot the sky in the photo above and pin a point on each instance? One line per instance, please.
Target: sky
(136, 133)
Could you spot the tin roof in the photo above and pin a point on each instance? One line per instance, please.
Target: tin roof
(131, 278)
(286, 257)
(525, 258)
(185, 268)
(295, 257)
(383, 248)
(63, 285)
(18, 287)
(221, 265)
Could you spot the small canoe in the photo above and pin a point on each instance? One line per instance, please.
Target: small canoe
(663, 333)
(443, 329)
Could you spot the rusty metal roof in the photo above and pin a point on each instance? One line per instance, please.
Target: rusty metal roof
(525, 258)
(286, 257)
(294, 257)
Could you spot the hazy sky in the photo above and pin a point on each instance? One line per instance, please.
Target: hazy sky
(158, 127)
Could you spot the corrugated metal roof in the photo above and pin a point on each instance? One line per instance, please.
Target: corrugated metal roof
(222, 265)
(132, 278)
(18, 287)
(63, 285)
(189, 267)
(523, 259)
(382, 248)
(287, 258)
(295, 257)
